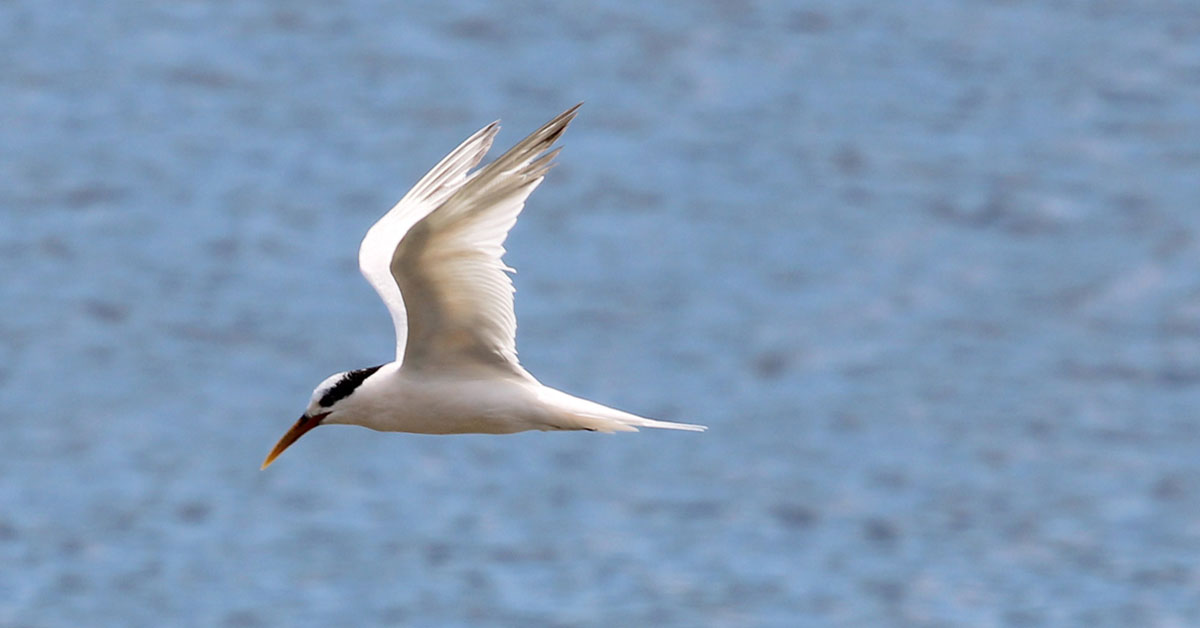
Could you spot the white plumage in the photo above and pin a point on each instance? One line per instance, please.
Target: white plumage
(435, 260)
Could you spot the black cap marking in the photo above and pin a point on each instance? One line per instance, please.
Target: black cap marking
(345, 386)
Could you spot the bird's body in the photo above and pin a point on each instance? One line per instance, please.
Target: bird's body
(435, 260)
(393, 400)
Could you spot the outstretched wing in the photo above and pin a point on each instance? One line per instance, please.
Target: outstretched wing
(448, 266)
(378, 246)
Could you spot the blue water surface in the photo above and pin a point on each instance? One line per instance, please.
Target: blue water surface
(929, 271)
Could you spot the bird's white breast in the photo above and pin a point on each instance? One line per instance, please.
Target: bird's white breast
(396, 401)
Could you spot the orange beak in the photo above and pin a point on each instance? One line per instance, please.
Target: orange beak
(300, 428)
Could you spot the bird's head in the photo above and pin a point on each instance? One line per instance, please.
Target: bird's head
(328, 399)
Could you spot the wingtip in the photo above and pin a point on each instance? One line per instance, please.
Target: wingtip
(489, 133)
(561, 121)
(555, 128)
(569, 114)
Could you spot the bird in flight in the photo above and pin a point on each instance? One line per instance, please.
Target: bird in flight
(434, 259)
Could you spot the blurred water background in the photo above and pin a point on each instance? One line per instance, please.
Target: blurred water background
(929, 272)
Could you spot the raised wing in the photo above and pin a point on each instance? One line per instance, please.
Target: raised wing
(448, 266)
(378, 246)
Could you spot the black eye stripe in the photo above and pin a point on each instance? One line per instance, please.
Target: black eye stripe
(345, 386)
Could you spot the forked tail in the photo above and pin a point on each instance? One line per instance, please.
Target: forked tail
(580, 414)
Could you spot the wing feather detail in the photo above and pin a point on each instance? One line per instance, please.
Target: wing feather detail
(378, 246)
(448, 266)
